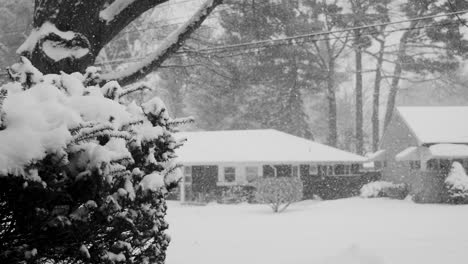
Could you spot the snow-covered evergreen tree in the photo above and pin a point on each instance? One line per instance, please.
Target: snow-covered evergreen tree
(457, 184)
(83, 172)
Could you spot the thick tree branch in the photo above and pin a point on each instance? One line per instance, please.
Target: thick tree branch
(117, 22)
(62, 26)
(169, 46)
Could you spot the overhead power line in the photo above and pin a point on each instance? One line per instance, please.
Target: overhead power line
(240, 45)
(287, 40)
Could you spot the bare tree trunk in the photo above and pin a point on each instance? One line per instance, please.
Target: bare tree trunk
(359, 105)
(397, 73)
(376, 98)
(331, 96)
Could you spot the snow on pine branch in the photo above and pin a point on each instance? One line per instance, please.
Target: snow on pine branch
(58, 115)
(171, 42)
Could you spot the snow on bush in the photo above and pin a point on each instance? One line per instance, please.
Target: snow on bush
(82, 171)
(384, 189)
(278, 192)
(457, 184)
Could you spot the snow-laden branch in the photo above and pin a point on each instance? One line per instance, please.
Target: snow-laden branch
(169, 46)
(114, 9)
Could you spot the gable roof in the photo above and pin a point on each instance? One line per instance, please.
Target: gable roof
(436, 124)
(256, 146)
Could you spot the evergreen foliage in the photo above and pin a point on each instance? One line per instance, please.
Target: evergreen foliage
(456, 184)
(95, 191)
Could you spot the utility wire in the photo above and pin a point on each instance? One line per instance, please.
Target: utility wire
(289, 40)
(329, 32)
(453, 8)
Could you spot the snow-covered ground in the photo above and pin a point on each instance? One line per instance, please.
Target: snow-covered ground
(348, 231)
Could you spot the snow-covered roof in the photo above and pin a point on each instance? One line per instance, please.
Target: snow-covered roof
(257, 146)
(379, 155)
(436, 151)
(437, 124)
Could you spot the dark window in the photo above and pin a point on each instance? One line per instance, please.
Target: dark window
(415, 164)
(355, 168)
(433, 164)
(268, 171)
(283, 170)
(304, 170)
(445, 164)
(339, 169)
(229, 174)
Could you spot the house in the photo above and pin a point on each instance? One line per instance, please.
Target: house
(419, 145)
(216, 160)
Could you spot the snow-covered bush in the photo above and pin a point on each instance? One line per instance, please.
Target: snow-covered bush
(456, 184)
(236, 194)
(278, 192)
(83, 173)
(384, 189)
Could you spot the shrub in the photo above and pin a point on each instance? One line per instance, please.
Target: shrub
(385, 189)
(456, 184)
(236, 194)
(279, 192)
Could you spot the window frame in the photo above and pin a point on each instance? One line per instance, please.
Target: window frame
(227, 175)
(295, 171)
(188, 174)
(249, 175)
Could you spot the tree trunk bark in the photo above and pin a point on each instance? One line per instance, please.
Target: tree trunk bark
(376, 98)
(397, 73)
(87, 29)
(69, 34)
(331, 96)
(359, 106)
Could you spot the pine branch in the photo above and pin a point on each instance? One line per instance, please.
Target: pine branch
(137, 88)
(181, 121)
(104, 130)
(91, 132)
(131, 123)
(77, 129)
